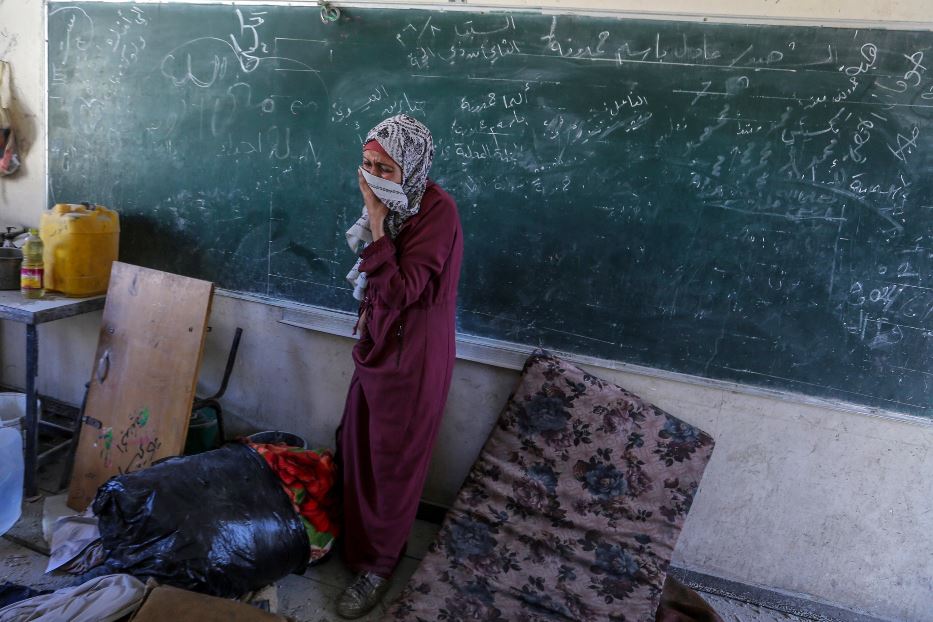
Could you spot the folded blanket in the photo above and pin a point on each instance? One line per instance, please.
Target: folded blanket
(308, 478)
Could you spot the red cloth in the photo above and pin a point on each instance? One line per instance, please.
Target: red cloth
(403, 361)
(374, 145)
(308, 477)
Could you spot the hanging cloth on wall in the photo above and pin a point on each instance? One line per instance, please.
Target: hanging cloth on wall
(9, 158)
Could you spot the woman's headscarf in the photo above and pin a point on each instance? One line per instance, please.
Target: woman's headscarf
(407, 141)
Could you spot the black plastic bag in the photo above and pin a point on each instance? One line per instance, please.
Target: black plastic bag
(217, 522)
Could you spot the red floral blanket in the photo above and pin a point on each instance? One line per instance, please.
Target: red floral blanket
(308, 476)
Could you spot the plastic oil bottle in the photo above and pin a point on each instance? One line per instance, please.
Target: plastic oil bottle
(32, 274)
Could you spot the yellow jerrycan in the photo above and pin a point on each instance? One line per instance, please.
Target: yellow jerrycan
(81, 242)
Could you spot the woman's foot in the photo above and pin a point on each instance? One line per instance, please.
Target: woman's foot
(363, 593)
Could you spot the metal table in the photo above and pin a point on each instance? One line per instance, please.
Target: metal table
(32, 313)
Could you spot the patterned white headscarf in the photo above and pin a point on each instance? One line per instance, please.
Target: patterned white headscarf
(409, 143)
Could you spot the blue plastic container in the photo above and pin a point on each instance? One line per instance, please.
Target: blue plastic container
(12, 410)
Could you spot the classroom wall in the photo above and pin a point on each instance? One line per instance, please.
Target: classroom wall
(873, 10)
(811, 500)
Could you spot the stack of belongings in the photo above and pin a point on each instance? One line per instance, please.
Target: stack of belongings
(226, 523)
(221, 522)
(216, 522)
(571, 511)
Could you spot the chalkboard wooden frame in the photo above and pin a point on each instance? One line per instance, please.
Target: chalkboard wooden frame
(512, 356)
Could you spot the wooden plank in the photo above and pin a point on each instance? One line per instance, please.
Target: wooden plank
(145, 375)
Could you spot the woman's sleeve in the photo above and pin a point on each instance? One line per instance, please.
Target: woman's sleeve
(399, 283)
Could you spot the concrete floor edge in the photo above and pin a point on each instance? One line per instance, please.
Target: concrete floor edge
(796, 605)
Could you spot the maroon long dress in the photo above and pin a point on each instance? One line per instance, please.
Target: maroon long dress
(404, 361)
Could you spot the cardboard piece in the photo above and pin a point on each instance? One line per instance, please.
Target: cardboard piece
(171, 603)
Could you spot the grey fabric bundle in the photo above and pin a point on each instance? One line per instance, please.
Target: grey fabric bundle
(103, 599)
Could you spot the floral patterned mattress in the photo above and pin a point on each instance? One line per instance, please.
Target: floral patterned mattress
(571, 511)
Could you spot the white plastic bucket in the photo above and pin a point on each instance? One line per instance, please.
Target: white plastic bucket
(12, 411)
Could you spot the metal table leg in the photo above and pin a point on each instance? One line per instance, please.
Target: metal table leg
(32, 416)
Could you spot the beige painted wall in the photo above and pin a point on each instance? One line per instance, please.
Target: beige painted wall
(836, 10)
(828, 504)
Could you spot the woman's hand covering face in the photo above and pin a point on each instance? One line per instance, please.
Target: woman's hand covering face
(375, 208)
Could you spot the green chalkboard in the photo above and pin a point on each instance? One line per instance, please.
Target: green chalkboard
(740, 202)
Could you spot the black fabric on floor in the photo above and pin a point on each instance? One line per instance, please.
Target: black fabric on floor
(12, 593)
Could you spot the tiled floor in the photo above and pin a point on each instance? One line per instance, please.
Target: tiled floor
(311, 597)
